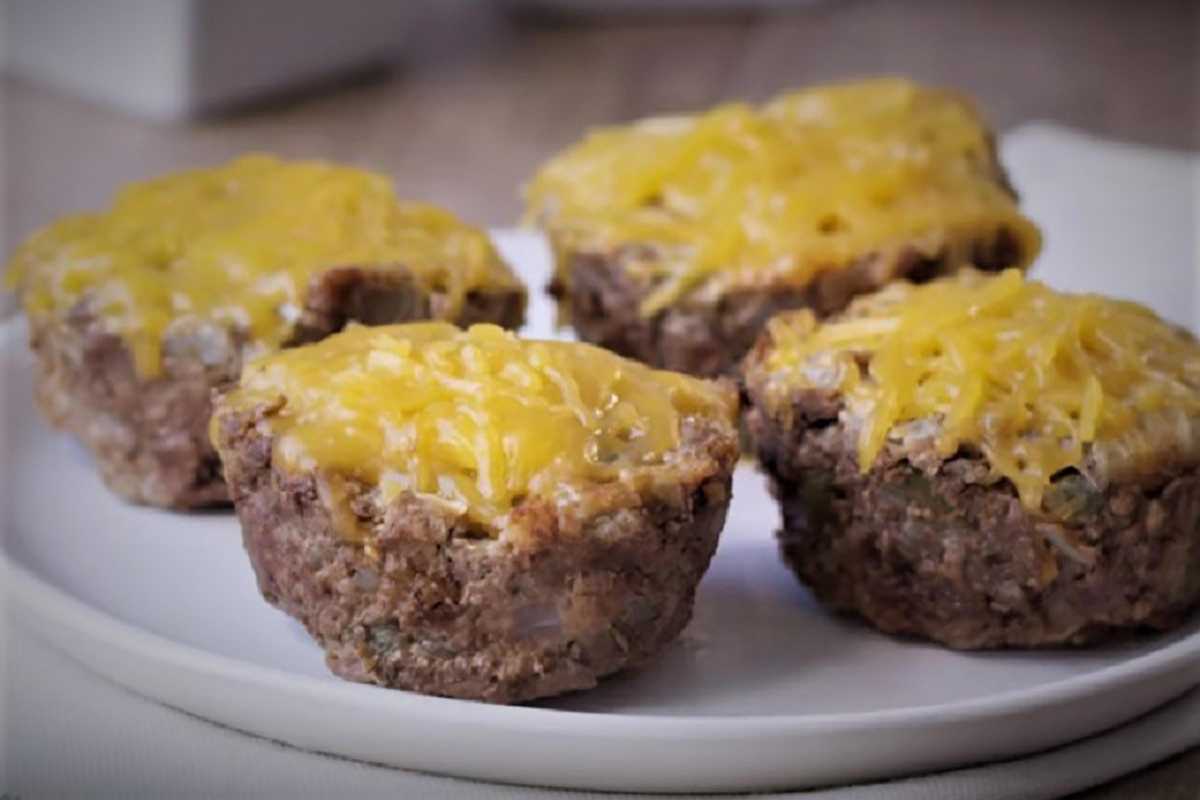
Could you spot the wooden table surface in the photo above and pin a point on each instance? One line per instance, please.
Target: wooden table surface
(475, 102)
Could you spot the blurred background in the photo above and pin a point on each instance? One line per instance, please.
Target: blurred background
(459, 100)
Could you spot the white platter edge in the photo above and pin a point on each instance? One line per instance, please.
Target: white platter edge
(661, 754)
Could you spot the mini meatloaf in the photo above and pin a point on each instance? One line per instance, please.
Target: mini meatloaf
(138, 312)
(985, 462)
(677, 238)
(471, 515)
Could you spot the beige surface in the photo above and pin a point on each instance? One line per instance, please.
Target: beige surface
(474, 107)
(477, 103)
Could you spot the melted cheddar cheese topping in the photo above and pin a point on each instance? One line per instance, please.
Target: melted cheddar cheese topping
(1027, 375)
(237, 245)
(477, 419)
(812, 181)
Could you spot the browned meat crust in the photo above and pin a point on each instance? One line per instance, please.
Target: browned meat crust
(934, 548)
(149, 437)
(709, 338)
(441, 609)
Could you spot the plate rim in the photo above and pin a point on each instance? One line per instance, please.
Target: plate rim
(59, 606)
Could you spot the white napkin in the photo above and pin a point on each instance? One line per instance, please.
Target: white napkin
(1118, 219)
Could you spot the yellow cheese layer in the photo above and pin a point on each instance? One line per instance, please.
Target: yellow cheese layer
(1026, 374)
(477, 418)
(812, 181)
(238, 244)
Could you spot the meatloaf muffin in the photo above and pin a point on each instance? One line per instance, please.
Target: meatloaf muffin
(986, 462)
(676, 238)
(472, 515)
(138, 312)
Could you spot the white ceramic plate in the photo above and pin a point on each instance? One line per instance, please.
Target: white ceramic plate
(764, 690)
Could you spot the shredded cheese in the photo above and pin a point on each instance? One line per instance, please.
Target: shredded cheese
(238, 244)
(1027, 375)
(477, 418)
(812, 181)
